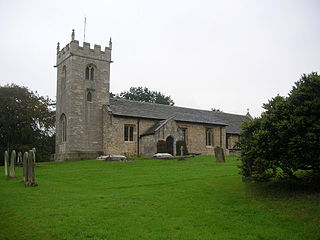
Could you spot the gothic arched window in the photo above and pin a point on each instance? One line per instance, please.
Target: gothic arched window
(63, 127)
(89, 72)
(209, 137)
(89, 97)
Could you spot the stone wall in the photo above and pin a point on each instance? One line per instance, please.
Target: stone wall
(232, 140)
(146, 146)
(113, 131)
(196, 137)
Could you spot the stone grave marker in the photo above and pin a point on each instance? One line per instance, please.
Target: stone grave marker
(219, 153)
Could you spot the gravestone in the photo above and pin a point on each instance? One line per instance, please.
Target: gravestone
(12, 172)
(19, 159)
(6, 163)
(181, 154)
(219, 154)
(30, 170)
(34, 154)
(25, 167)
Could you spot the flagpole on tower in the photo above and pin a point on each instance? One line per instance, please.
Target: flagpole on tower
(84, 32)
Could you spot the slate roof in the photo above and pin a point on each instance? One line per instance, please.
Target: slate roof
(128, 108)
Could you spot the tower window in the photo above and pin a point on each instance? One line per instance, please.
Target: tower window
(63, 77)
(89, 97)
(63, 127)
(89, 72)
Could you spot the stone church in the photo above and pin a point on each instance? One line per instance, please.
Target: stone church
(90, 123)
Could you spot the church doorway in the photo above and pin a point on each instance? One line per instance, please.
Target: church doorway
(169, 141)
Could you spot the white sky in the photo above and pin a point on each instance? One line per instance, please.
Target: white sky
(230, 55)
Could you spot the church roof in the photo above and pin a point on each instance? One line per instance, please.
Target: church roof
(129, 108)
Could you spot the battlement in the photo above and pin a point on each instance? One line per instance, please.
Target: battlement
(74, 48)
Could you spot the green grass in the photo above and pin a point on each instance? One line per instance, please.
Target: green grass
(154, 199)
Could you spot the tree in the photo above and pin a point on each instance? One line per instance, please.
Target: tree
(286, 138)
(216, 110)
(144, 95)
(26, 121)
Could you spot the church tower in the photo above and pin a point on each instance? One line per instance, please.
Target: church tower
(83, 79)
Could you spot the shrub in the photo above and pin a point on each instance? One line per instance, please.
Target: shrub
(286, 136)
(178, 147)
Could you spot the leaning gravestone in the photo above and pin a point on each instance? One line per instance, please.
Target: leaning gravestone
(219, 153)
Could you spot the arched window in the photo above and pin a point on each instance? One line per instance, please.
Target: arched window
(63, 77)
(63, 127)
(89, 97)
(208, 136)
(92, 74)
(89, 72)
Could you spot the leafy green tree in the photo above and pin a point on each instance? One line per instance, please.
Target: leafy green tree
(286, 138)
(143, 94)
(26, 121)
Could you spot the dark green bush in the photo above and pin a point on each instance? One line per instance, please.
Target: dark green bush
(286, 138)
(178, 146)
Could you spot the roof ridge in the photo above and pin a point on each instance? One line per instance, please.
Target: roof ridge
(158, 104)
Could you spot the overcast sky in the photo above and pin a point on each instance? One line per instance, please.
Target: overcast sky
(230, 55)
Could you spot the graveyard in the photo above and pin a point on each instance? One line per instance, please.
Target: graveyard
(198, 198)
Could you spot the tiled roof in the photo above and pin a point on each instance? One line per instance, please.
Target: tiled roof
(128, 108)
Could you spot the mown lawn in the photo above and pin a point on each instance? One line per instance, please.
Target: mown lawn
(154, 199)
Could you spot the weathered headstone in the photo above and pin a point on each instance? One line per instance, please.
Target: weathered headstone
(34, 154)
(12, 172)
(219, 154)
(19, 159)
(181, 154)
(25, 167)
(30, 169)
(6, 163)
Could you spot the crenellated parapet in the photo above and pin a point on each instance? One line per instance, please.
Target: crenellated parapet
(74, 49)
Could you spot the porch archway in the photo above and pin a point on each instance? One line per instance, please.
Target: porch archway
(170, 143)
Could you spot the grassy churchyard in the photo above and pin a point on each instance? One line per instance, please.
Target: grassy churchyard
(154, 199)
